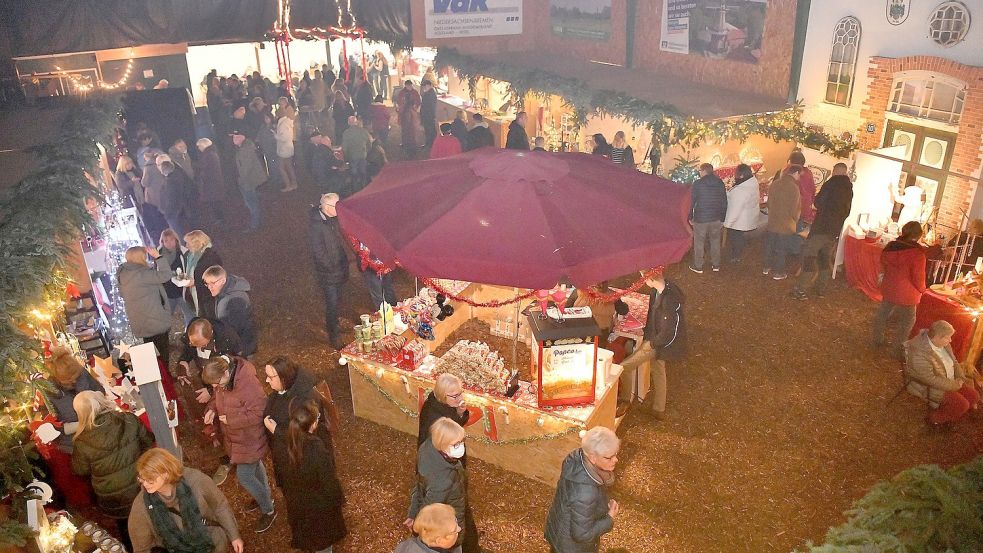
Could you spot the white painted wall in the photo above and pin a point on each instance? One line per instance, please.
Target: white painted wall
(878, 38)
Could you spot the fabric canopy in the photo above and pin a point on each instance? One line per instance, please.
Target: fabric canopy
(525, 219)
(42, 27)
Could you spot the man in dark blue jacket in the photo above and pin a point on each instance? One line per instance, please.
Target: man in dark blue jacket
(330, 261)
(707, 217)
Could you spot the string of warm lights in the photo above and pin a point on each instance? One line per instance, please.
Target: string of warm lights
(77, 80)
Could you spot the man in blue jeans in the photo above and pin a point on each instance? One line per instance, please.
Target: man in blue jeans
(238, 407)
(709, 208)
(330, 261)
(784, 209)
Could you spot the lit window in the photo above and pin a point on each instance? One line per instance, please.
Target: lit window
(929, 98)
(949, 23)
(843, 61)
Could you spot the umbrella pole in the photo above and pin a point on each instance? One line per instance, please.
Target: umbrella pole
(515, 337)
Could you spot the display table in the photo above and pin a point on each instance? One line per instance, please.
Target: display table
(513, 433)
(862, 262)
(967, 341)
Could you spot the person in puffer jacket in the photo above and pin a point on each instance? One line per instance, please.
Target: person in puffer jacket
(903, 262)
(232, 305)
(581, 511)
(107, 445)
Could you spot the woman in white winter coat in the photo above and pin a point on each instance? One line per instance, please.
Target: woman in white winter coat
(743, 210)
(285, 152)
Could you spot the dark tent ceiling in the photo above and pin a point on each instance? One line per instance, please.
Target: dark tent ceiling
(42, 27)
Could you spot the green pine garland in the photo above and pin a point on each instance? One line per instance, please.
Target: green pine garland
(923, 509)
(39, 220)
(667, 123)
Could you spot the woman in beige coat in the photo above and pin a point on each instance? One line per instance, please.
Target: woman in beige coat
(935, 375)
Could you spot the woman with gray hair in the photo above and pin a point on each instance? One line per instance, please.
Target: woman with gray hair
(935, 375)
(581, 511)
(446, 400)
(441, 477)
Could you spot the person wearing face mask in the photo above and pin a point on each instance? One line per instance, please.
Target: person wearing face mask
(581, 511)
(441, 478)
(436, 531)
(446, 400)
(180, 509)
(238, 406)
(305, 472)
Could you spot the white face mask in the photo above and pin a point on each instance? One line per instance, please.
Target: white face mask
(456, 451)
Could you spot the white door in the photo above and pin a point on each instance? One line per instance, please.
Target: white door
(872, 185)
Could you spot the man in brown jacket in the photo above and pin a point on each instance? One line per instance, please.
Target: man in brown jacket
(238, 405)
(784, 208)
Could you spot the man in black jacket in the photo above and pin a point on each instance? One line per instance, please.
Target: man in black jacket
(330, 261)
(832, 208)
(517, 138)
(664, 340)
(428, 111)
(707, 217)
(479, 136)
(325, 165)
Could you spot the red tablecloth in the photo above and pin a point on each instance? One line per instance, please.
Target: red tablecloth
(933, 307)
(862, 261)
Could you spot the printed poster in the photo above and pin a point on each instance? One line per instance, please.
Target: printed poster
(470, 18)
(587, 19)
(719, 29)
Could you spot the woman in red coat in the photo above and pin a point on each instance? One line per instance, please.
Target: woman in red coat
(238, 405)
(903, 262)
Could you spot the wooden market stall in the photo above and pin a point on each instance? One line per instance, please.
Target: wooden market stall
(511, 432)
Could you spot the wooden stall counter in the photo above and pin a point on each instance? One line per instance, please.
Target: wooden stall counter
(513, 433)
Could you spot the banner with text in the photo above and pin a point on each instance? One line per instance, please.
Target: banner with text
(721, 29)
(470, 18)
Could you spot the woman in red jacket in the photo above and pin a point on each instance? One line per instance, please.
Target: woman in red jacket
(903, 263)
(238, 405)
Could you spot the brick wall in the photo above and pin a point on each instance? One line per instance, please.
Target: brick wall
(769, 77)
(966, 155)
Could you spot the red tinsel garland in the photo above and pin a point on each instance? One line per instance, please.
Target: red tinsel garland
(368, 261)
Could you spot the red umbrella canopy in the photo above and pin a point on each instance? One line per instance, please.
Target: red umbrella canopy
(515, 218)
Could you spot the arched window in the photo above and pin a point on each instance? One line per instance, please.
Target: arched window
(843, 61)
(928, 96)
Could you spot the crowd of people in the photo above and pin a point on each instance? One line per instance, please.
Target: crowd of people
(162, 505)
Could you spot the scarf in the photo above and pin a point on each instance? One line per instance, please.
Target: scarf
(193, 538)
(190, 262)
(603, 477)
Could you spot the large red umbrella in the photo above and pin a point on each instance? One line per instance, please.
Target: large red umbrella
(525, 219)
